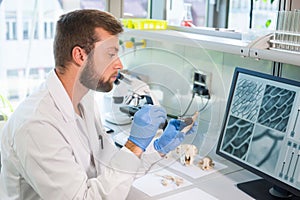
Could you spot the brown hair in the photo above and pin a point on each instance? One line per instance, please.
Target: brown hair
(77, 28)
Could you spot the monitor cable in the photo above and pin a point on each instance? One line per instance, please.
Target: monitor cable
(192, 99)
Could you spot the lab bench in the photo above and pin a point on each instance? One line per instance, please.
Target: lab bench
(221, 184)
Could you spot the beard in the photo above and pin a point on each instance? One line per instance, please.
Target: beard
(89, 77)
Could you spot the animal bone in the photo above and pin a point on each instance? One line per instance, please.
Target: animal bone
(164, 182)
(186, 153)
(190, 122)
(178, 181)
(165, 178)
(206, 163)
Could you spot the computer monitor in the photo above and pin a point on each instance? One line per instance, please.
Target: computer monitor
(261, 132)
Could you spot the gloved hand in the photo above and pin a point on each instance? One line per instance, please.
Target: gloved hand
(145, 125)
(172, 136)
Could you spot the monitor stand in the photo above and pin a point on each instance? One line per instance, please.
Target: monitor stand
(263, 190)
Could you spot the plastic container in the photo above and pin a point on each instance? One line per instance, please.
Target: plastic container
(144, 24)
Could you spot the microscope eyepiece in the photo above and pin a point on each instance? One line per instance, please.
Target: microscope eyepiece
(119, 77)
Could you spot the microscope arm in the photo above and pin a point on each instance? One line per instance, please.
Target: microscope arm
(137, 91)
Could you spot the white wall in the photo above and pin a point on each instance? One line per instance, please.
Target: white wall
(171, 66)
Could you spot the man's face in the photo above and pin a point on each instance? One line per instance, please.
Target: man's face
(102, 64)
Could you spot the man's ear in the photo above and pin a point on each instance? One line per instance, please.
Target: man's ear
(78, 55)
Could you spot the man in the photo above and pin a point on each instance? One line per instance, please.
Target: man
(54, 145)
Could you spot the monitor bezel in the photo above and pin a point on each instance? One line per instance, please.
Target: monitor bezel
(263, 175)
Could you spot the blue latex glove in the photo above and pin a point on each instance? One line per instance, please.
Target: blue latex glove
(172, 136)
(145, 125)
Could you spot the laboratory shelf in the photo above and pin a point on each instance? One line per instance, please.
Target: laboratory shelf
(228, 45)
(262, 48)
(257, 49)
(276, 55)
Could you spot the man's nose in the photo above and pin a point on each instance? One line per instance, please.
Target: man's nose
(118, 64)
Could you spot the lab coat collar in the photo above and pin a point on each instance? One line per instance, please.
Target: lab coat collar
(60, 97)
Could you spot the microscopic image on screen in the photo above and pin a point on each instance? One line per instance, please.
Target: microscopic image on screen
(246, 99)
(265, 148)
(237, 137)
(276, 107)
(261, 133)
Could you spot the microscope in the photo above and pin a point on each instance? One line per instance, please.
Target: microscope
(129, 95)
(138, 94)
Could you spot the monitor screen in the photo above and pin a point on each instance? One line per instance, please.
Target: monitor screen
(261, 128)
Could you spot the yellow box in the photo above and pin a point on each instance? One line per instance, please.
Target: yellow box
(144, 24)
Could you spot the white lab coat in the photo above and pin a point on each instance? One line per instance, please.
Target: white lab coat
(44, 158)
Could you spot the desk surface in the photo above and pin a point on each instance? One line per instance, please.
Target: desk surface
(220, 184)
